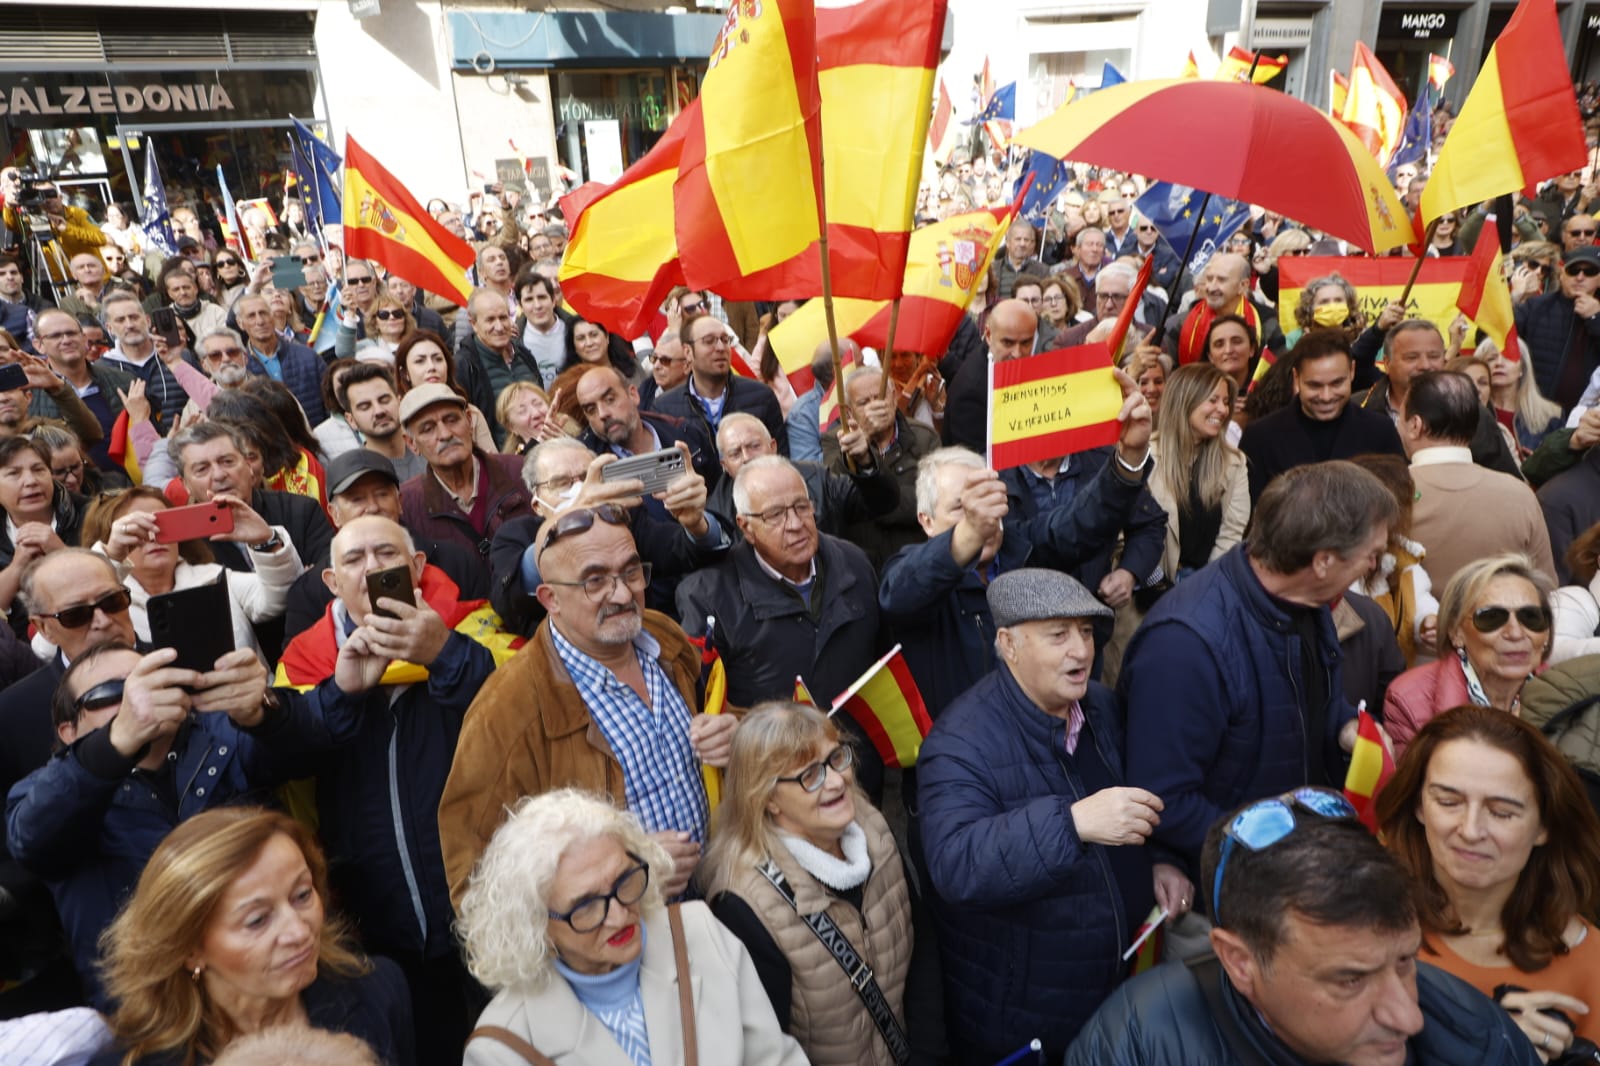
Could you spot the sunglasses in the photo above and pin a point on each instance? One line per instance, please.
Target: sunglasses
(1493, 619)
(1582, 232)
(1268, 822)
(581, 521)
(359, 281)
(81, 615)
(307, 260)
(388, 313)
(105, 694)
(1582, 270)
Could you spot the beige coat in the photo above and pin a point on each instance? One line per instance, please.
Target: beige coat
(734, 1021)
(1235, 510)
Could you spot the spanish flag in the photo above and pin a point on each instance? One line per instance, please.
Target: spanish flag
(713, 700)
(1338, 92)
(1371, 766)
(749, 186)
(1520, 123)
(1378, 281)
(1236, 66)
(940, 142)
(121, 450)
(1485, 297)
(1191, 69)
(885, 702)
(1052, 404)
(1374, 108)
(383, 222)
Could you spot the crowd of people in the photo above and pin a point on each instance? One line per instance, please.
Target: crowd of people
(420, 772)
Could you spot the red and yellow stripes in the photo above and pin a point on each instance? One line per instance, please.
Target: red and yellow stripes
(1371, 766)
(383, 222)
(1374, 108)
(1052, 404)
(1485, 297)
(886, 704)
(1377, 282)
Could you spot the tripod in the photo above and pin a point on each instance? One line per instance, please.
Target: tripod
(43, 252)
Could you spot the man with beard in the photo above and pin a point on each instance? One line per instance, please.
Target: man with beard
(614, 420)
(293, 364)
(372, 404)
(95, 385)
(602, 698)
(140, 353)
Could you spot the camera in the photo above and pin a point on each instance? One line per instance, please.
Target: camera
(34, 189)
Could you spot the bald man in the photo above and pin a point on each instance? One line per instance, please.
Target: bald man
(1008, 333)
(1223, 289)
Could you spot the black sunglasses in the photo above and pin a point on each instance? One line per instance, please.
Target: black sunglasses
(581, 521)
(81, 615)
(388, 313)
(1534, 619)
(105, 694)
(1582, 270)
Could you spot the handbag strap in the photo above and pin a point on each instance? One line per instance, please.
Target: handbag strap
(851, 961)
(511, 1040)
(680, 954)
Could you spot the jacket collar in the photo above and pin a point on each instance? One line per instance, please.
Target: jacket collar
(566, 713)
(1260, 602)
(438, 500)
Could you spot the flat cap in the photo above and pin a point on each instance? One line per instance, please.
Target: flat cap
(421, 396)
(1034, 594)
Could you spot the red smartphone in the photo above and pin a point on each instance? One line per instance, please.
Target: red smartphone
(197, 522)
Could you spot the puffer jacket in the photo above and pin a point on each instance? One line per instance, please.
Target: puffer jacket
(1213, 684)
(1547, 325)
(1162, 1017)
(1420, 695)
(1032, 920)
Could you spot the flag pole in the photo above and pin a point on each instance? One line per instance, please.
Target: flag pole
(888, 346)
(1416, 267)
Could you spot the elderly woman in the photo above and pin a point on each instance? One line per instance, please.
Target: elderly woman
(226, 935)
(523, 408)
(1494, 632)
(1328, 302)
(1496, 829)
(563, 920)
(797, 838)
(387, 322)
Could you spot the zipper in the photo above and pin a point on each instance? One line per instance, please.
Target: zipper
(400, 828)
(1300, 715)
(1058, 742)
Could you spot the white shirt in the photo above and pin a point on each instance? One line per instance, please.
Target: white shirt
(1441, 455)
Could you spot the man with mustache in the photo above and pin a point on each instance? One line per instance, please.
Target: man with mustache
(602, 698)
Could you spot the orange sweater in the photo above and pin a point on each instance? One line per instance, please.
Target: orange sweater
(1576, 974)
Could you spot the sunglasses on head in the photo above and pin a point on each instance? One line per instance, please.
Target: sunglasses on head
(105, 694)
(1534, 619)
(581, 521)
(81, 615)
(1268, 822)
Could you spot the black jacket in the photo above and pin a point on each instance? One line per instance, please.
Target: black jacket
(1489, 448)
(1571, 504)
(471, 358)
(1282, 441)
(743, 394)
(882, 535)
(839, 499)
(1552, 331)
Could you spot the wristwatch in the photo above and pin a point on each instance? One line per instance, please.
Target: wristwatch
(272, 544)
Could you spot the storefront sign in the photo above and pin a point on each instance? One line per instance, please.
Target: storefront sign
(1275, 33)
(647, 111)
(1418, 23)
(112, 99)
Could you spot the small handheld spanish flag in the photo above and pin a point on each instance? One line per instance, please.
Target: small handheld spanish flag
(1371, 766)
(713, 700)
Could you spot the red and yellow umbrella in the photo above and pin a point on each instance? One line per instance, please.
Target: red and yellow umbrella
(1237, 140)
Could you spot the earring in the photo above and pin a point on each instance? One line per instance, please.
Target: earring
(194, 975)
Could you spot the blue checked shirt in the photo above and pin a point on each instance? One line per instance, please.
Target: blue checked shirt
(660, 774)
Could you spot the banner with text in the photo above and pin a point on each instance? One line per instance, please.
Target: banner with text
(1052, 404)
(1377, 282)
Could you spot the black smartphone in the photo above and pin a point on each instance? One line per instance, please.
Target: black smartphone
(164, 324)
(395, 583)
(13, 377)
(197, 621)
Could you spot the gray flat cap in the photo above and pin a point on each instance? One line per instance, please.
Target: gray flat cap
(1034, 594)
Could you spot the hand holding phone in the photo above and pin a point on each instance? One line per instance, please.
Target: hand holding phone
(656, 469)
(395, 583)
(197, 522)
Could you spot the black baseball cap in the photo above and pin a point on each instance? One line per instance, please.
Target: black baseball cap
(349, 467)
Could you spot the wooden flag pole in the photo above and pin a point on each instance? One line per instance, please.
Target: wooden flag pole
(827, 291)
(888, 348)
(1416, 268)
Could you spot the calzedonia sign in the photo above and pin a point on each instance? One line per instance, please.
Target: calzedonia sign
(112, 99)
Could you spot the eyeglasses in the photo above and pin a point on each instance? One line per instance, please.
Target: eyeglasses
(359, 281)
(1298, 251)
(1582, 270)
(307, 260)
(581, 521)
(1142, 228)
(105, 694)
(1111, 297)
(1582, 232)
(388, 313)
(811, 778)
(1534, 619)
(590, 912)
(81, 615)
(67, 471)
(1116, 210)
(636, 576)
(227, 263)
(801, 509)
(58, 334)
(1055, 298)
(1269, 821)
(716, 340)
(229, 352)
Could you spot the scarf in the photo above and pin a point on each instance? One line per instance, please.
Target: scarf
(841, 875)
(1475, 691)
(310, 657)
(1192, 334)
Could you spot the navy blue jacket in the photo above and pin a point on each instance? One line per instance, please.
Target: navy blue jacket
(302, 374)
(1550, 327)
(378, 802)
(87, 821)
(1213, 685)
(1032, 920)
(940, 610)
(1163, 1017)
(751, 397)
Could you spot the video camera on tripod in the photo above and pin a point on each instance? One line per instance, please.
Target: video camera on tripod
(30, 194)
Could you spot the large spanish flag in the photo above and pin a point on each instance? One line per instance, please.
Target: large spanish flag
(1371, 766)
(383, 222)
(885, 702)
(622, 257)
(747, 196)
(1485, 297)
(1374, 107)
(1052, 404)
(1377, 282)
(1520, 123)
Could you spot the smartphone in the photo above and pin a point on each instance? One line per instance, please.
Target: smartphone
(656, 469)
(395, 583)
(13, 377)
(197, 621)
(164, 323)
(196, 522)
(288, 272)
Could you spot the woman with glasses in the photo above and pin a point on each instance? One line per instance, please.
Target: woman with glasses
(1494, 633)
(423, 359)
(231, 277)
(71, 464)
(1061, 307)
(387, 321)
(797, 840)
(1495, 828)
(564, 921)
(1447, 236)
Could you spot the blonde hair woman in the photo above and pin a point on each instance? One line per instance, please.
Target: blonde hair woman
(1200, 479)
(226, 935)
(523, 408)
(796, 836)
(563, 919)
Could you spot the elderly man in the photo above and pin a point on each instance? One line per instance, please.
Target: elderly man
(465, 495)
(1233, 683)
(933, 593)
(1017, 258)
(1088, 254)
(898, 444)
(1562, 328)
(1315, 960)
(616, 422)
(1224, 288)
(1112, 287)
(1008, 333)
(602, 698)
(1032, 836)
(1120, 237)
(491, 357)
(89, 271)
(361, 482)
(788, 602)
(712, 391)
(81, 387)
(669, 368)
(295, 365)
(866, 493)
(406, 671)
(1463, 512)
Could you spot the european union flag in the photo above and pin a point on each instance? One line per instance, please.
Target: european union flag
(153, 213)
(1110, 75)
(1050, 176)
(316, 166)
(1417, 135)
(1002, 105)
(1175, 211)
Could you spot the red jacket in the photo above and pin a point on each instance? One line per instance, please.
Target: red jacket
(1420, 694)
(429, 511)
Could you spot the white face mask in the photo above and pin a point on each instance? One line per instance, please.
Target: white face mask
(565, 499)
